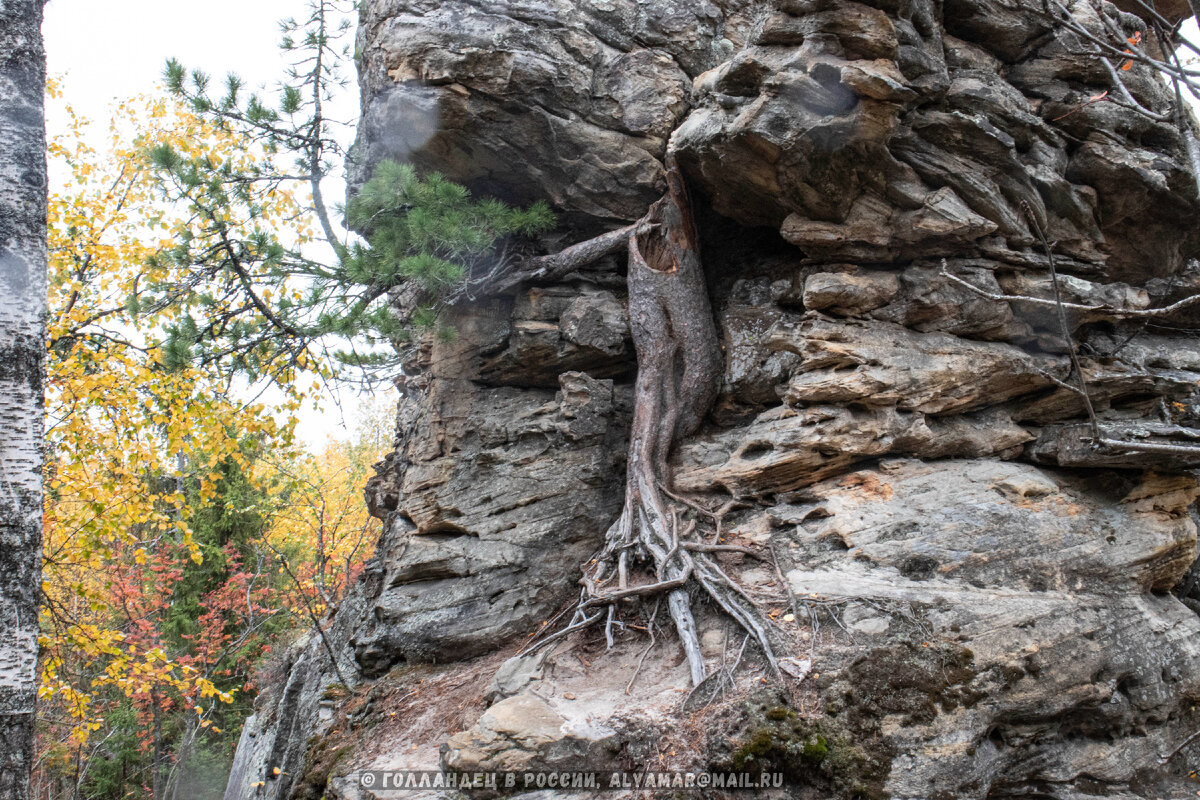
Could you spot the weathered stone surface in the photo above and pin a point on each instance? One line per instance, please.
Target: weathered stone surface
(299, 686)
(1047, 601)
(918, 298)
(507, 492)
(929, 302)
(882, 179)
(553, 331)
(753, 370)
(1011, 526)
(602, 84)
(996, 25)
(1111, 384)
(515, 675)
(873, 231)
(882, 364)
(784, 449)
(1072, 289)
(1163, 354)
(771, 137)
(1173, 10)
(816, 117)
(997, 622)
(1139, 193)
(524, 731)
(1073, 445)
(847, 294)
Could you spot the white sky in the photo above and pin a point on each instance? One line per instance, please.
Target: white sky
(108, 50)
(116, 48)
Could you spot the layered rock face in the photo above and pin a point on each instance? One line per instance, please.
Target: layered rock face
(971, 600)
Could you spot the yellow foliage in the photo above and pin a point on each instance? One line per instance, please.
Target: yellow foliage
(124, 434)
(134, 445)
(324, 529)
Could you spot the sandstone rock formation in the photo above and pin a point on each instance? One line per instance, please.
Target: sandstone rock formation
(970, 599)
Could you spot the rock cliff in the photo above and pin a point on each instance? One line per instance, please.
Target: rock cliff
(972, 599)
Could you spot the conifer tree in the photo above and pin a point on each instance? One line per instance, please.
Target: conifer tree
(278, 305)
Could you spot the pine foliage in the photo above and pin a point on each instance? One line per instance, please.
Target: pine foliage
(276, 301)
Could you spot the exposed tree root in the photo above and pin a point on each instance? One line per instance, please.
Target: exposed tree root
(679, 373)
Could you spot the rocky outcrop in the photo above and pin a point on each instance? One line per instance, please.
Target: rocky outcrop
(603, 84)
(495, 504)
(1069, 654)
(971, 597)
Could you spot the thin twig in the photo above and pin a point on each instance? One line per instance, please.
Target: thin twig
(316, 623)
(649, 647)
(1108, 310)
(574, 626)
(786, 586)
(1150, 447)
(1177, 750)
(1058, 382)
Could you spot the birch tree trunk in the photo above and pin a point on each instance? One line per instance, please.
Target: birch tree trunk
(22, 333)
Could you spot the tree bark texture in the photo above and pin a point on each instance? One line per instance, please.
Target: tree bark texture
(679, 373)
(22, 333)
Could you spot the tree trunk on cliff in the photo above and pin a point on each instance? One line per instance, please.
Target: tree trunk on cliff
(22, 327)
(679, 373)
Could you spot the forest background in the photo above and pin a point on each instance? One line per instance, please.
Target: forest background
(198, 518)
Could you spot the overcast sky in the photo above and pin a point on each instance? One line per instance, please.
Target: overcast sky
(116, 48)
(106, 50)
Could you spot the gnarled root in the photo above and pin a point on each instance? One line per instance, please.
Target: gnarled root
(649, 531)
(679, 372)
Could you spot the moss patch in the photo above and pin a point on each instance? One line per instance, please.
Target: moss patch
(815, 754)
(321, 759)
(916, 680)
(335, 691)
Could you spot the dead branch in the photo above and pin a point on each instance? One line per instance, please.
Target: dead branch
(791, 595)
(609, 598)
(1126, 50)
(1121, 50)
(1150, 447)
(1098, 440)
(1068, 339)
(509, 272)
(701, 547)
(646, 652)
(578, 622)
(312, 615)
(1104, 309)
(1179, 748)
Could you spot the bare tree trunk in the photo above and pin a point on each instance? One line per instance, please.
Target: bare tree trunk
(679, 374)
(22, 334)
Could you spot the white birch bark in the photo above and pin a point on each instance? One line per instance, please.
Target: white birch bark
(22, 347)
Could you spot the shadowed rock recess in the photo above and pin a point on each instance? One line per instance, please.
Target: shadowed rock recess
(971, 601)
